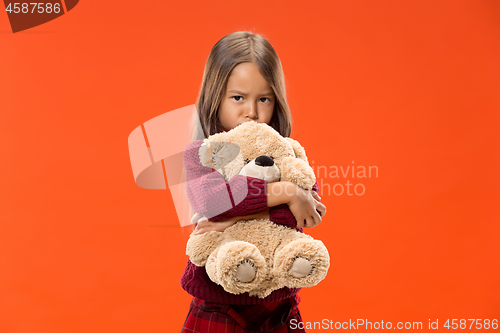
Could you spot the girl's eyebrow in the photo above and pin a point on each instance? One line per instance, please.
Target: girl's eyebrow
(243, 93)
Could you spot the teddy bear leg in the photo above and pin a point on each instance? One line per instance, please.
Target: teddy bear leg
(199, 247)
(245, 270)
(303, 262)
(239, 267)
(211, 267)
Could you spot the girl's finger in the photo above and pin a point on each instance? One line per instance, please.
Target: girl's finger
(201, 226)
(196, 217)
(300, 223)
(316, 195)
(201, 231)
(321, 209)
(205, 223)
(317, 218)
(309, 223)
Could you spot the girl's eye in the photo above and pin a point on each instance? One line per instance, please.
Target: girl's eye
(247, 161)
(263, 99)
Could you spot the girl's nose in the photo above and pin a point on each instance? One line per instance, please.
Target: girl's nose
(251, 111)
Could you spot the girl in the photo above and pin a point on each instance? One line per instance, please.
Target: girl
(243, 81)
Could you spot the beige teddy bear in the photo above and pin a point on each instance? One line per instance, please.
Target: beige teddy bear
(258, 256)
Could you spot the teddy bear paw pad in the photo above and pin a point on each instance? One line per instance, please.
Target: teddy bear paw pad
(245, 272)
(301, 267)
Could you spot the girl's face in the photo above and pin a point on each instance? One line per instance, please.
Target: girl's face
(247, 97)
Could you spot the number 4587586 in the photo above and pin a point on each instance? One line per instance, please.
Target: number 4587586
(479, 324)
(24, 7)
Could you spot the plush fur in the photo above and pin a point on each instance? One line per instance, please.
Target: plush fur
(258, 256)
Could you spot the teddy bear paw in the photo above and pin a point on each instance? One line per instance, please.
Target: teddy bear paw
(303, 262)
(239, 267)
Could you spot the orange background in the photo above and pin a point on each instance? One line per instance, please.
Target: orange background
(408, 86)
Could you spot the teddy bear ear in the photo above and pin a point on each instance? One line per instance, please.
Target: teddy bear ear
(204, 153)
(297, 149)
(208, 151)
(217, 154)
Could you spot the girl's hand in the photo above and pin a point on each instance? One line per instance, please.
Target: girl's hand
(306, 208)
(205, 225)
(317, 197)
(304, 205)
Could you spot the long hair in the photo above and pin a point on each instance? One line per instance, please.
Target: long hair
(230, 51)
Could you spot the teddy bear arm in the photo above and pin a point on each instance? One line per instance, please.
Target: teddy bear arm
(298, 172)
(297, 149)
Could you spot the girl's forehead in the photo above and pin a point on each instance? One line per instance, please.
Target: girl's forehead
(247, 79)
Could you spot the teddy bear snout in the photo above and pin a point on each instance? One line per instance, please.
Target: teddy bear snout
(264, 161)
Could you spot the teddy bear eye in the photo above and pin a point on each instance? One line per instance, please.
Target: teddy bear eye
(247, 161)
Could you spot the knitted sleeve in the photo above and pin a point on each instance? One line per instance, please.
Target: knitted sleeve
(214, 197)
(281, 214)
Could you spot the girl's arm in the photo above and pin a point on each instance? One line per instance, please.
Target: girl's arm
(205, 225)
(213, 197)
(280, 214)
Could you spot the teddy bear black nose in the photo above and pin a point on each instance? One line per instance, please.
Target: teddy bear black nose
(264, 161)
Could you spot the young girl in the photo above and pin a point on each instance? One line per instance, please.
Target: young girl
(243, 81)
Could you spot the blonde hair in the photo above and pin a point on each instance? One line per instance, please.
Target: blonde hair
(230, 51)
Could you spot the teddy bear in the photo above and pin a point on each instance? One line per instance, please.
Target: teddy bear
(258, 256)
